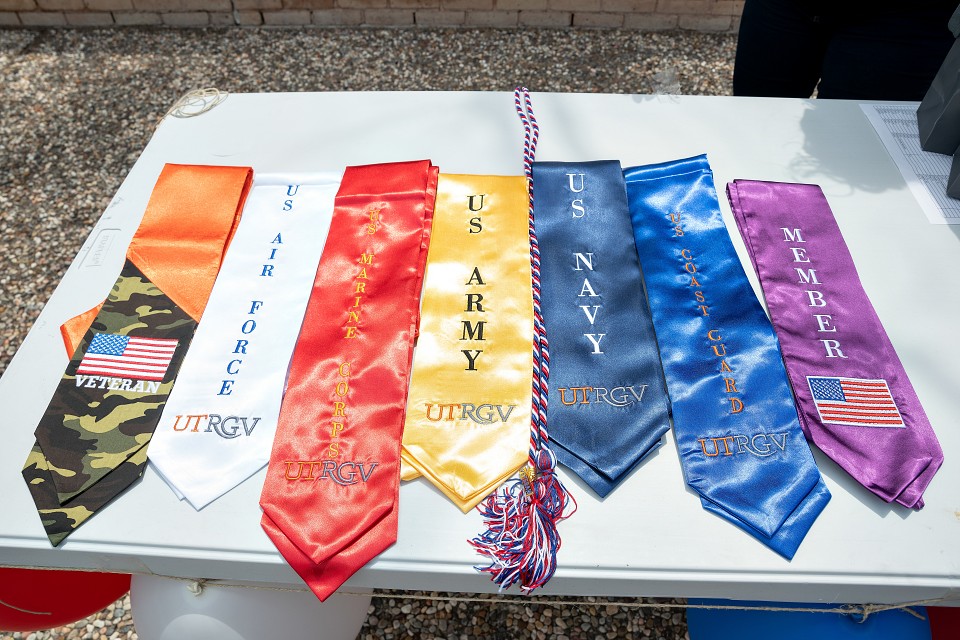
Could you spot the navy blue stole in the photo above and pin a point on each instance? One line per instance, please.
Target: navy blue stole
(607, 406)
(736, 426)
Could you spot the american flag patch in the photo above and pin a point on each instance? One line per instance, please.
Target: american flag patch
(119, 356)
(855, 402)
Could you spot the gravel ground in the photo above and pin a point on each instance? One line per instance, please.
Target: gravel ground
(78, 106)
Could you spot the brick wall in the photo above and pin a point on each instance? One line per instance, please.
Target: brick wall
(646, 15)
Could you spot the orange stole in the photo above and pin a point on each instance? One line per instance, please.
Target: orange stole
(193, 203)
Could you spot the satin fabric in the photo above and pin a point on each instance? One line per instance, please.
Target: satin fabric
(894, 461)
(740, 443)
(330, 496)
(185, 273)
(92, 439)
(607, 405)
(468, 422)
(219, 422)
(73, 330)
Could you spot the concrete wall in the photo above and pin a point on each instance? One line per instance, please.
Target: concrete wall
(645, 15)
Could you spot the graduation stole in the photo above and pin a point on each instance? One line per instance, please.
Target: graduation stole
(467, 425)
(92, 439)
(855, 399)
(608, 406)
(330, 502)
(736, 427)
(219, 422)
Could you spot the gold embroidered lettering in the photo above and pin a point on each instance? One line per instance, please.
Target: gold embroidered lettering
(341, 389)
(374, 216)
(287, 472)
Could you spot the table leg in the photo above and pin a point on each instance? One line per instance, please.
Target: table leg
(173, 609)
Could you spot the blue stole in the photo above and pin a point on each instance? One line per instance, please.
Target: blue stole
(735, 423)
(607, 406)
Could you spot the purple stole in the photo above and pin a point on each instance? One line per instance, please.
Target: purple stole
(855, 400)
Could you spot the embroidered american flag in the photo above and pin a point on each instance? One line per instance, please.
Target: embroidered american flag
(119, 356)
(856, 402)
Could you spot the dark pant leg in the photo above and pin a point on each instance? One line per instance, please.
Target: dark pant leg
(887, 51)
(780, 49)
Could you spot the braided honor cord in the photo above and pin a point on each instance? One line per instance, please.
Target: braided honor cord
(521, 517)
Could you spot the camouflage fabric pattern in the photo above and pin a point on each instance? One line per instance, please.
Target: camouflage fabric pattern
(61, 521)
(92, 440)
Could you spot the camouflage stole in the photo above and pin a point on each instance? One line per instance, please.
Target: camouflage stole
(98, 424)
(92, 439)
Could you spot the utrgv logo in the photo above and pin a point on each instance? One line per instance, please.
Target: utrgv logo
(344, 473)
(761, 445)
(226, 427)
(615, 397)
(476, 413)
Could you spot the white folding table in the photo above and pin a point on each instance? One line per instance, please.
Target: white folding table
(650, 537)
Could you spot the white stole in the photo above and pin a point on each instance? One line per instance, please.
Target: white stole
(219, 421)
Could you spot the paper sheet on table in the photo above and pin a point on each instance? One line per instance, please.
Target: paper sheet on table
(926, 173)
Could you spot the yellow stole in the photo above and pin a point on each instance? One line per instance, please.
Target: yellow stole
(468, 414)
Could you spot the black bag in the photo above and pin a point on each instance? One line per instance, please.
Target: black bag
(953, 181)
(938, 117)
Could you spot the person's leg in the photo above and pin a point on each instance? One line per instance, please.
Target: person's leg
(887, 50)
(779, 49)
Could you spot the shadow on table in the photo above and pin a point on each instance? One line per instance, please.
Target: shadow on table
(827, 151)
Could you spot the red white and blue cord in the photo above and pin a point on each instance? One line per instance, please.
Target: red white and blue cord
(521, 517)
